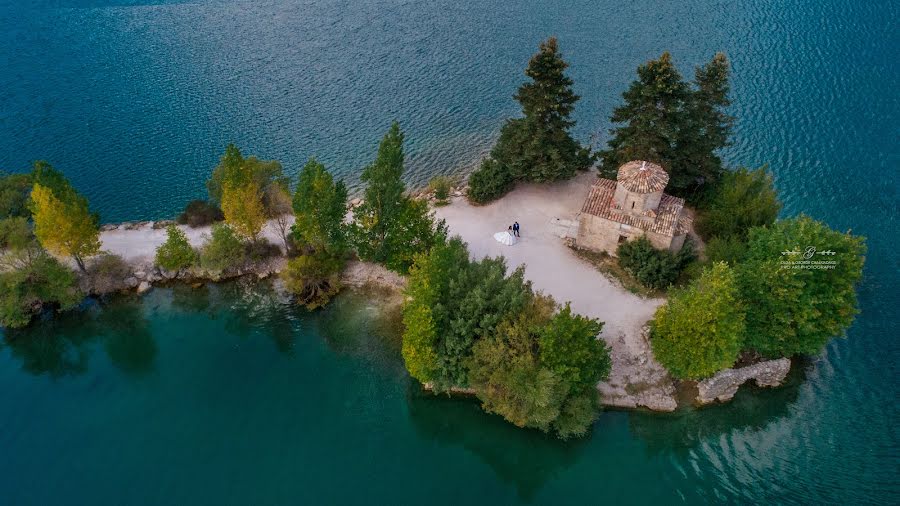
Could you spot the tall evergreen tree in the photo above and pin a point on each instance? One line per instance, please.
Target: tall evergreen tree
(538, 146)
(666, 121)
(707, 127)
(651, 117)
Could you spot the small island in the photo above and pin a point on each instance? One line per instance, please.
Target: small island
(667, 272)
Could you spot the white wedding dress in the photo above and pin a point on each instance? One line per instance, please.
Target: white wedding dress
(506, 237)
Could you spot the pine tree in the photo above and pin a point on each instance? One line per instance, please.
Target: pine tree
(538, 146)
(663, 120)
(652, 118)
(707, 127)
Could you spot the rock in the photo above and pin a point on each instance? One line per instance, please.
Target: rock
(132, 282)
(724, 384)
(156, 225)
(144, 287)
(355, 202)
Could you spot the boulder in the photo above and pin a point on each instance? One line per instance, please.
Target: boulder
(144, 287)
(724, 384)
(132, 282)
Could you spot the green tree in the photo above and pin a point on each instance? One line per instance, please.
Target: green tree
(243, 208)
(14, 190)
(63, 224)
(451, 302)
(538, 146)
(26, 290)
(651, 119)
(320, 205)
(743, 199)
(700, 330)
(653, 268)
(570, 348)
(664, 120)
(794, 308)
(313, 278)
(235, 168)
(176, 254)
(389, 226)
(223, 251)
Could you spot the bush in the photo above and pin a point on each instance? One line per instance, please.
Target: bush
(701, 329)
(106, 274)
(200, 213)
(489, 182)
(313, 279)
(223, 251)
(440, 186)
(176, 254)
(742, 199)
(260, 250)
(726, 249)
(24, 292)
(653, 268)
(14, 190)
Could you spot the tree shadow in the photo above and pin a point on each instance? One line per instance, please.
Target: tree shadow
(525, 458)
(61, 345)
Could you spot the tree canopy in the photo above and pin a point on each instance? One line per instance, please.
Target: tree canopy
(743, 199)
(538, 146)
(320, 205)
(700, 330)
(234, 168)
(243, 208)
(390, 228)
(666, 121)
(792, 307)
(469, 324)
(63, 224)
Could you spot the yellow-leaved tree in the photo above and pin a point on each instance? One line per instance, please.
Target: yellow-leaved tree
(64, 227)
(243, 208)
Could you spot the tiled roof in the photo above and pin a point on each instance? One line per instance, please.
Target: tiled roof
(666, 220)
(642, 177)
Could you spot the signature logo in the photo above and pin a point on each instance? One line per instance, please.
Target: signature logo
(808, 253)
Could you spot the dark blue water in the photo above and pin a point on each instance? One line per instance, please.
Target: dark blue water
(136, 101)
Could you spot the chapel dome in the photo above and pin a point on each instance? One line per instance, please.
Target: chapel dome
(639, 176)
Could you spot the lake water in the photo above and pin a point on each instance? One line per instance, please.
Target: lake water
(227, 396)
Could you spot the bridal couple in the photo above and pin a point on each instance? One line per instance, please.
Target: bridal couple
(510, 236)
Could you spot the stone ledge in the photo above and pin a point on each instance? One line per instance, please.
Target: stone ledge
(724, 384)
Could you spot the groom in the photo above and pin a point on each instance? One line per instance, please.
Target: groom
(516, 229)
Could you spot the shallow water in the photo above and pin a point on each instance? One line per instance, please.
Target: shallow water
(230, 397)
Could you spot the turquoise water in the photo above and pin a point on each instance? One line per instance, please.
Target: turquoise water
(226, 396)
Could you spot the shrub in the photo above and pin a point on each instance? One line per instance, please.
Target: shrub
(176, 254)
(489, 182)
(729, 249)
(200, 213)
(223, 251)
(24, 292)
(742, 199)
(701, 329)
(440, 186)
(261, 250)
(106, 274)
(14, 190)
(652, 267)
(313, 279)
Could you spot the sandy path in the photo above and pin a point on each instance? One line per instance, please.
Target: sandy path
(547, 213)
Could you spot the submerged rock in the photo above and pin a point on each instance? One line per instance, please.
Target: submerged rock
(724, 384)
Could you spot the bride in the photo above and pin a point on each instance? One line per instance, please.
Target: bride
(506, 237)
